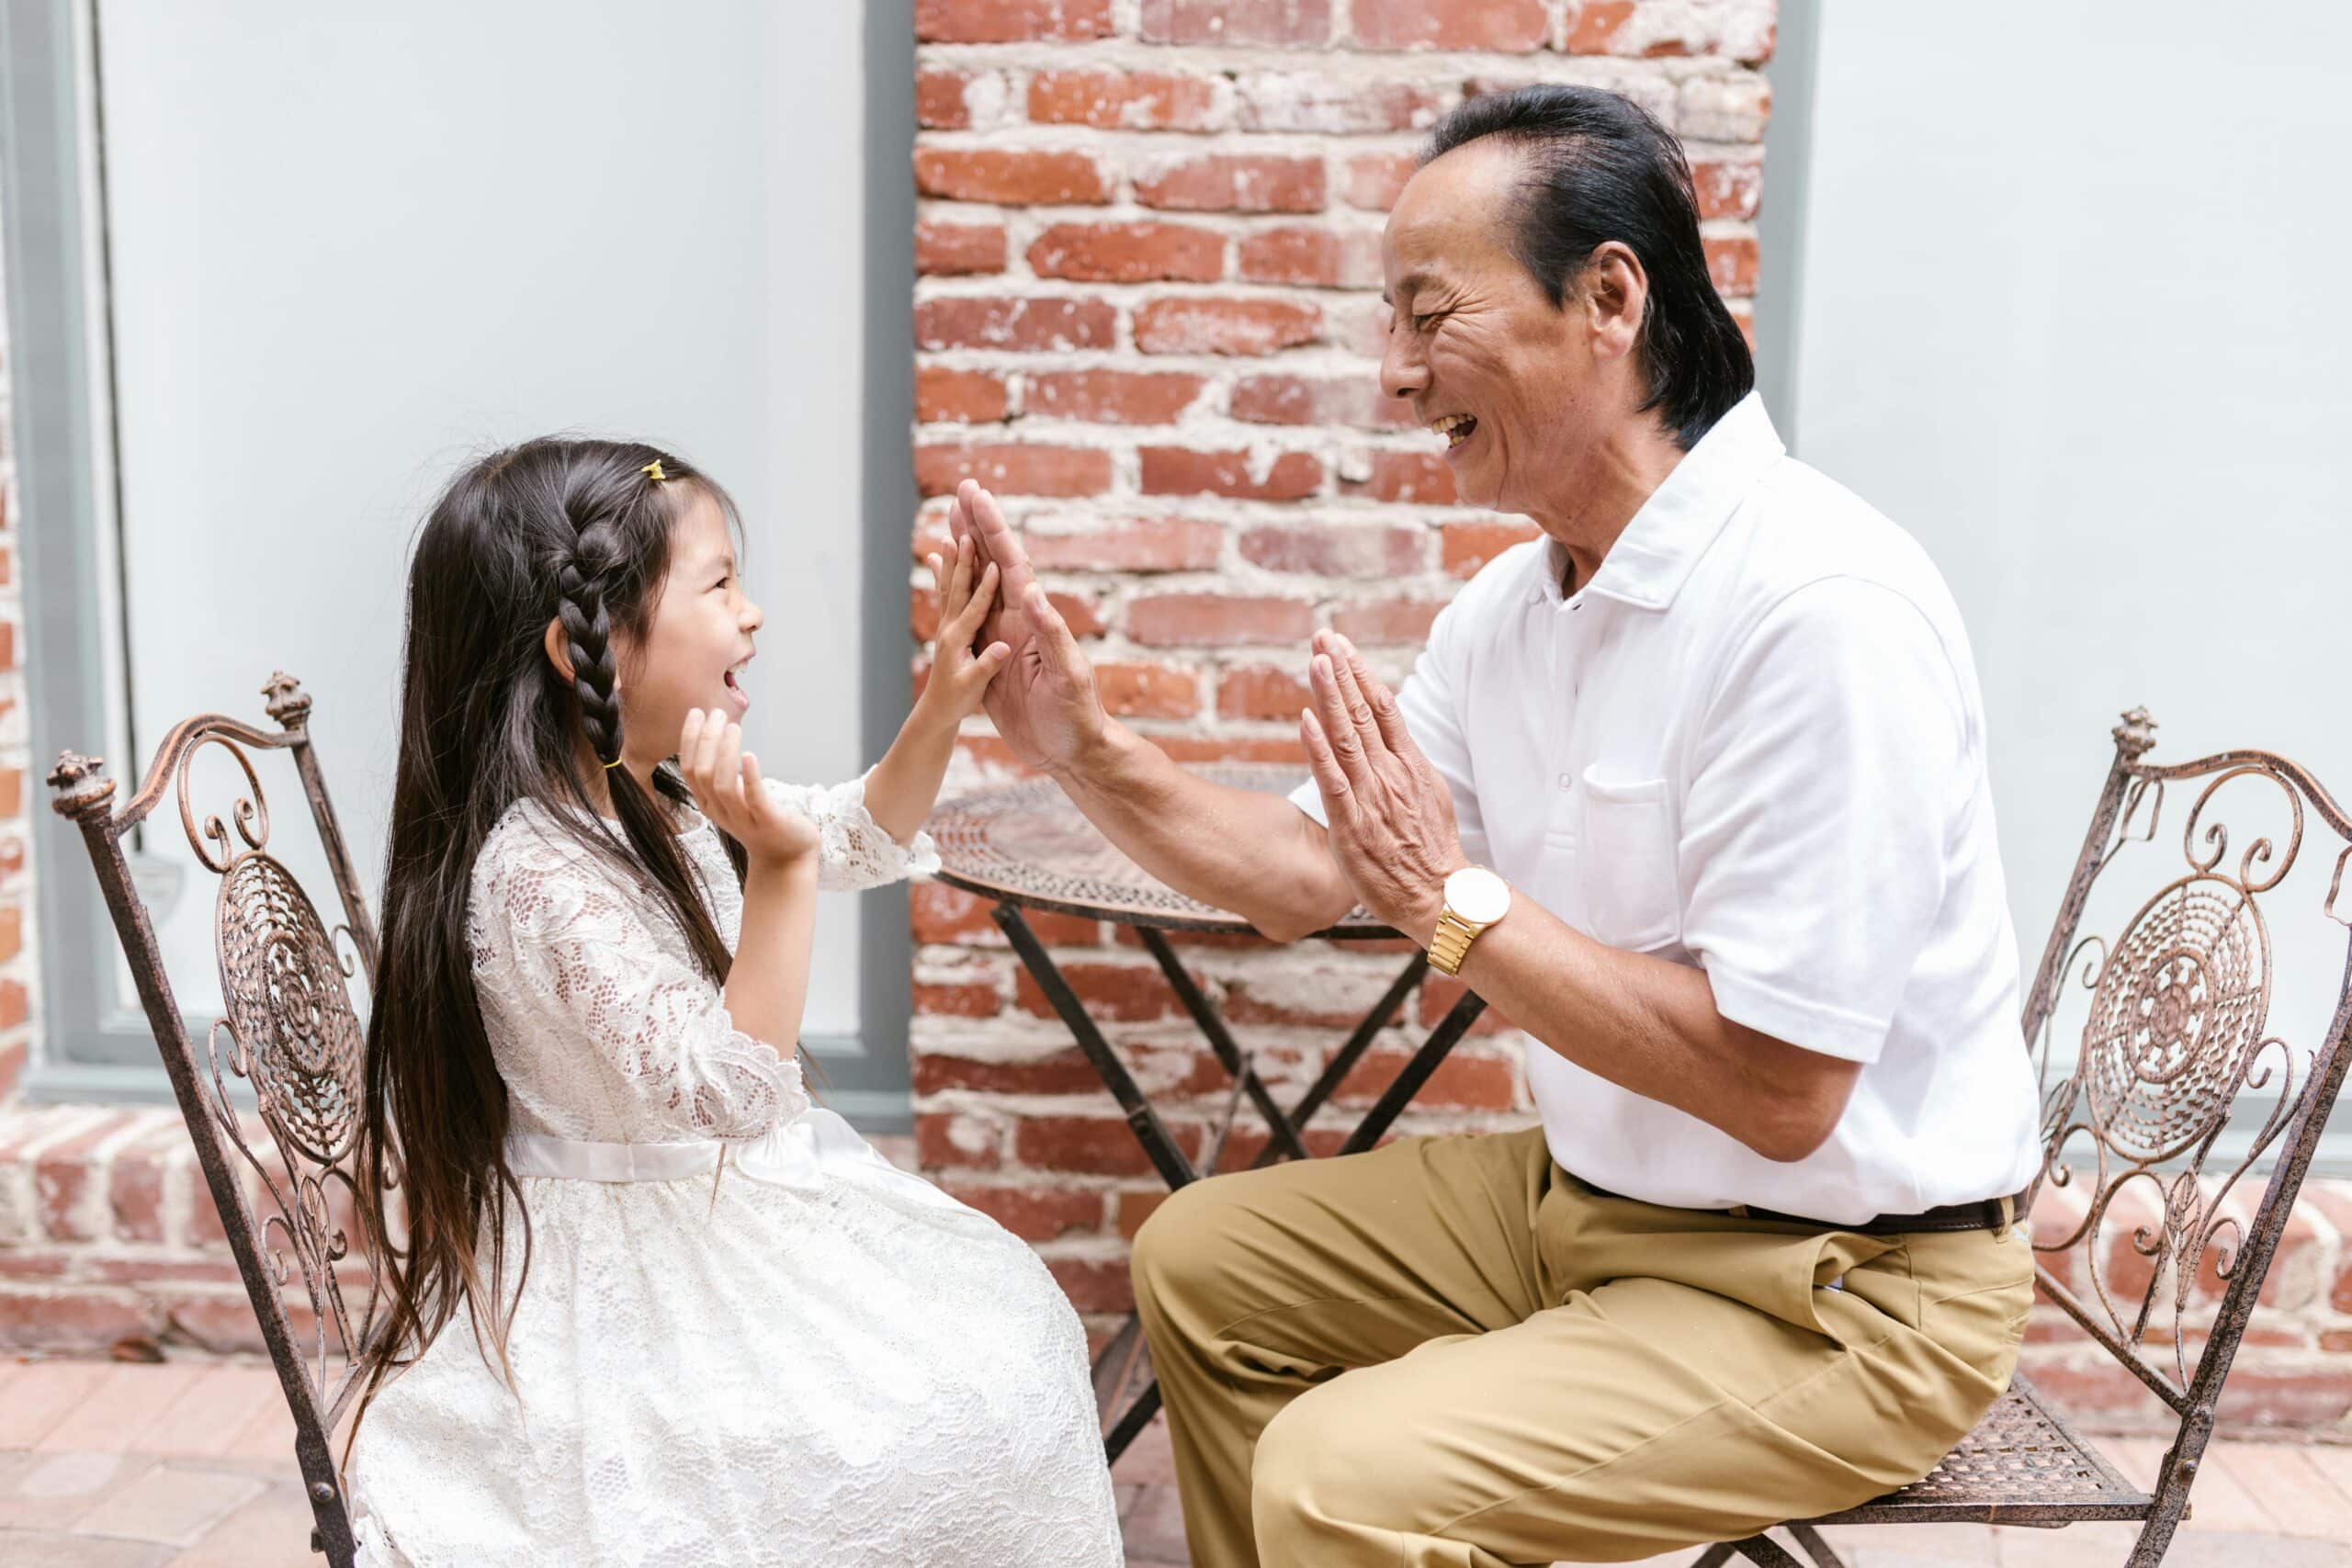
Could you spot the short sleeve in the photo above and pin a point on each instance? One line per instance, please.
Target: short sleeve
(855, 851)
(579, 962)
(1430, 703)
(1817, 827)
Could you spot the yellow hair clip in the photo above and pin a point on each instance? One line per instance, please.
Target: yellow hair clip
(652, 470)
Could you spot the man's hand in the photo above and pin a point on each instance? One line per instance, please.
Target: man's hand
(1391, 815)
(1044, 703)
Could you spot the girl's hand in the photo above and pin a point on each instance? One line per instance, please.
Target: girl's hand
(958, 676)
(1046, 708)
(726, 782)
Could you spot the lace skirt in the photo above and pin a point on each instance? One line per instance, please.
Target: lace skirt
(823, 1361)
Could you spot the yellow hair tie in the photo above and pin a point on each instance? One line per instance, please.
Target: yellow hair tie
(611, 765)
(653, 470)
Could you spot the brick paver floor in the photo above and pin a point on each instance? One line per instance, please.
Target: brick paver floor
(190, 1463)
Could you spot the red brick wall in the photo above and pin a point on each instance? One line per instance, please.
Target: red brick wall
(1149, 317)
(107, 1232)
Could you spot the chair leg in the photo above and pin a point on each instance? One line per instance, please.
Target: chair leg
(2155, 1539)
(1714, 1556)
(1823, 1554)
(1764, 1550)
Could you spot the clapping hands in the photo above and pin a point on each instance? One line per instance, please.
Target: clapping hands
(1391, 814)
(959, 676)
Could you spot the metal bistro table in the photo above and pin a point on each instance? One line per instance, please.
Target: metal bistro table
(1025, 846)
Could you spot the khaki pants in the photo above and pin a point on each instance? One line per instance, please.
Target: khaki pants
(1451, 1352)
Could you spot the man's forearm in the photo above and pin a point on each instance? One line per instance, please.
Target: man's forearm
(1246, 851)
(1650, 1025)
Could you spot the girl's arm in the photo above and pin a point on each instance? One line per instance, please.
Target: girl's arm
(767, 987)
(904, 784)
(580, 961)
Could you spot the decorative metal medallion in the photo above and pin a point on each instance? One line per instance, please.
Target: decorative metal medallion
(298, 1040)
(2180, 1003)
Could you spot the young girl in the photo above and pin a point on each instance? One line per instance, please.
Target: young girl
(651, 1304)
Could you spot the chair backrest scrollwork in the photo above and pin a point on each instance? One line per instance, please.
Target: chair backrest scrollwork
(290, 1034)
(2182, 1083)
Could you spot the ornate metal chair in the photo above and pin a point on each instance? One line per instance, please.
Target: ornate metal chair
(2139, 1135)
(291, 1034)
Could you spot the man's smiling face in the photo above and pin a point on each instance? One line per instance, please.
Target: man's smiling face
(1477, 346)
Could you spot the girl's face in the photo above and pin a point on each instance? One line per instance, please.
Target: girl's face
(698, 642)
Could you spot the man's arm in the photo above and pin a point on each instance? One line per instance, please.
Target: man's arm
(1643, 1022)
(1253, 854)
(1242, 849)
(1651, 1026)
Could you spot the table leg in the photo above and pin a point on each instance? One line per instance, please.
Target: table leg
(1385, 1111)
(1408, 1081)
(1341, 1064)
(1377, 1121)
(1221, 1041)
(1246, 1075)
(1149, 1129)
(1131, 1424)
(1122, 1358)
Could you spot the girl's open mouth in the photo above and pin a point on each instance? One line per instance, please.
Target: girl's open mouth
(735, 691)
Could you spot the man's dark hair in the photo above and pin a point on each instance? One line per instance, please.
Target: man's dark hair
(1600, 168)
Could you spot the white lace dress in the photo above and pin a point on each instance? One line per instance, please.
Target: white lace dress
(809, 1359)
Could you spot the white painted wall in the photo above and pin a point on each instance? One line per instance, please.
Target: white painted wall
(353, 246)
(2072, 313)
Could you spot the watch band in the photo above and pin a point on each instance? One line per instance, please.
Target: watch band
(1451, 943)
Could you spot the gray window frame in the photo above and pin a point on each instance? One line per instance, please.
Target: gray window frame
(93, 1043)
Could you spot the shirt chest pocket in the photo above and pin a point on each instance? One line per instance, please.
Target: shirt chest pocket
(1626, 853)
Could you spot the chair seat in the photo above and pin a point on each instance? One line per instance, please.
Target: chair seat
(2022, 1465)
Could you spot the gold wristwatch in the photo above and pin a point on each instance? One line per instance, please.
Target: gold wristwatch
(1474, 900)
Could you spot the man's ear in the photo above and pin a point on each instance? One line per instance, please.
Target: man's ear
(1616, 298)
(558, 648)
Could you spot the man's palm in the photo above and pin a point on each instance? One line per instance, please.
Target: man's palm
(1043, 702)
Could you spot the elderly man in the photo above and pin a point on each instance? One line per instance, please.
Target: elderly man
(1692, 789)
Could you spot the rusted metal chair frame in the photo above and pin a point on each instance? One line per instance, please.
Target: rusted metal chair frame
(1152, 911)
(2178, 1028)
(291, 1034)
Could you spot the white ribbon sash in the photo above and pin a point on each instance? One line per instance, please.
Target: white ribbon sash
(814, 1149)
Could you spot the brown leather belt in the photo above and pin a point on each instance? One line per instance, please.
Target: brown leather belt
(1994, 1214)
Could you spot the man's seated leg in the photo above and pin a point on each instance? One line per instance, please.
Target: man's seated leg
(1729, 1391)
(1255, 1287)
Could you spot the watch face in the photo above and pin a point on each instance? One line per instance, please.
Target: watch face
(1478, 895)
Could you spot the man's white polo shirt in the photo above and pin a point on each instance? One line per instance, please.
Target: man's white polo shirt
(1754, 743)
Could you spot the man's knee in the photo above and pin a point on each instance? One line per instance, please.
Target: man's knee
(1327, 1462)
(1177, 1251)
(1297, 1457)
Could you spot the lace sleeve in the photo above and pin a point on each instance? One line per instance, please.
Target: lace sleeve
(593, 967)
(856, 851)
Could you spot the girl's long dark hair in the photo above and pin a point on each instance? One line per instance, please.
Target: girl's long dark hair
(570, 530)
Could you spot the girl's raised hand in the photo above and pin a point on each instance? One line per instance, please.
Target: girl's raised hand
(726, 782)
(959, 675)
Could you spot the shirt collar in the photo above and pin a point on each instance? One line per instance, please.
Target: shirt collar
(1652, 559)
